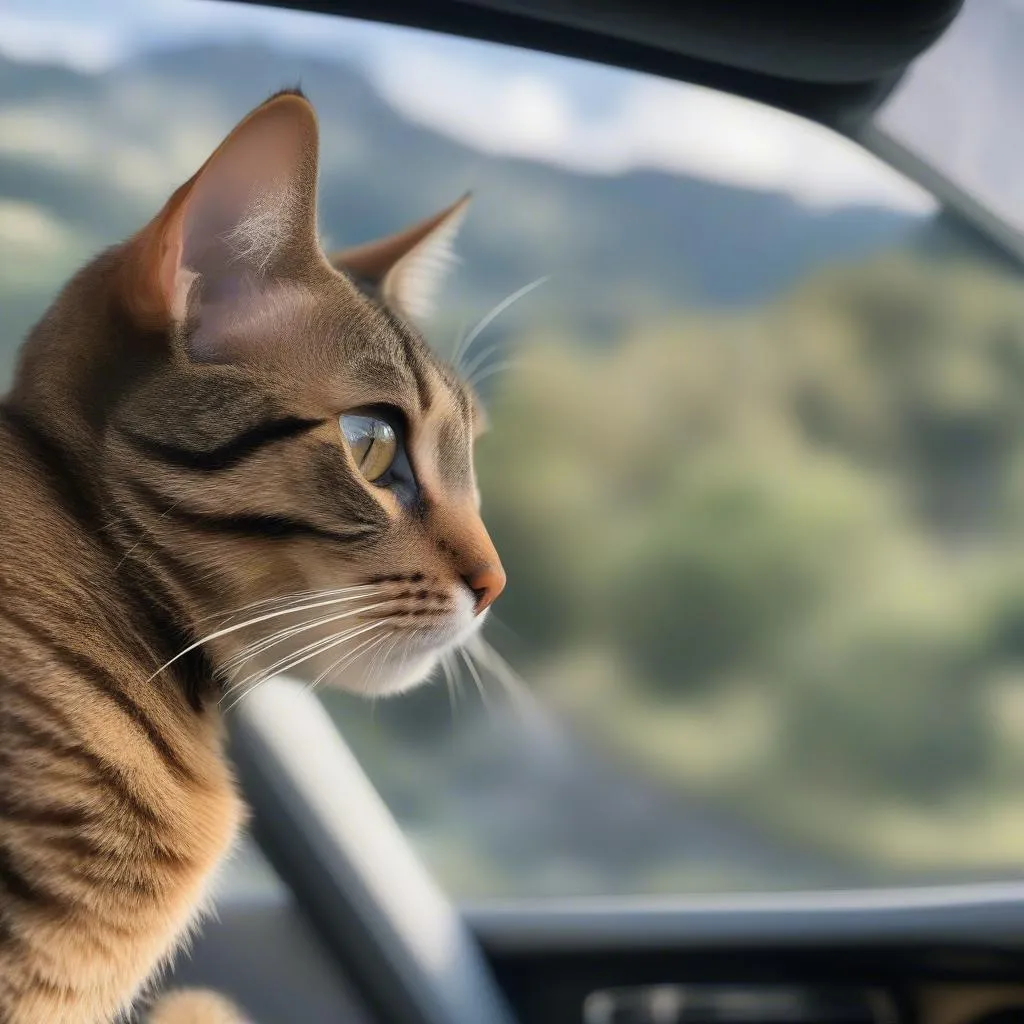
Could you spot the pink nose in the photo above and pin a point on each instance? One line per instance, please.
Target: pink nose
(486, 582)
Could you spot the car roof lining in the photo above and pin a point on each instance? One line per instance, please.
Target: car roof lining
(833, 63)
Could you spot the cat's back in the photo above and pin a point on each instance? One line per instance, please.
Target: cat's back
(85, 740)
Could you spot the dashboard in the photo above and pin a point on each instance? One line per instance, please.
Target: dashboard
(335, 922)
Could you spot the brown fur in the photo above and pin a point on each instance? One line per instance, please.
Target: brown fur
(170, 452)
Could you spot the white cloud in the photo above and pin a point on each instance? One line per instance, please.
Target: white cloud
(67, 139)
(654, 124)
(30, 227)
(97, 35)
(83, 47)
(46, 248)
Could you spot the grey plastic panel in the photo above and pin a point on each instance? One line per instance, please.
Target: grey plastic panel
(329, 835)
(962, 915)
(259, 951)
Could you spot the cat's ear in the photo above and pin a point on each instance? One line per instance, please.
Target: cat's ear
(409, 268)
(246, 217)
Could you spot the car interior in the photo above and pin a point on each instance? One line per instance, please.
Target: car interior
(357, 931)
(345, 923)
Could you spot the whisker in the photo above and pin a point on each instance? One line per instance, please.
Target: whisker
(262, 677)
(146, 533)
(380, 656)
(449, 679)
(285, 599)
(403, 651)
(460, 345)
(376, 658)
(313, 648)
(408, 645)
(490, 371)
(500, 308)
(265, 643)
(492, 618)
(522, 697)
(481, 359)
(467, 658)
(243, 625)
(348, 657)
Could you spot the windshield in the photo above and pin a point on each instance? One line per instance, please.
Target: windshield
(756, 457)
(957, 107)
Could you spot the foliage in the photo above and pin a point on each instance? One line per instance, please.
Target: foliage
(821, 500)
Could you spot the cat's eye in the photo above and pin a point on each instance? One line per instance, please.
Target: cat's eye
(373, 443)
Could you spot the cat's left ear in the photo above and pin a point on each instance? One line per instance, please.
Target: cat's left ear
(408, 269)
(242, 225)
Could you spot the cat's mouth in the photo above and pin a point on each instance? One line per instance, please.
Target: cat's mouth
(390, 639)
(450, 629)
(417, 647)
(374, 638)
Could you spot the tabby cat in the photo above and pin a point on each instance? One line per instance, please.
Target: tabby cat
(223, 452)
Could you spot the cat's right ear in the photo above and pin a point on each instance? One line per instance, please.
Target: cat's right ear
(247, 216)
(408, 268)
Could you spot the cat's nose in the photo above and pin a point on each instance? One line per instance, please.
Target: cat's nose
(487, 582)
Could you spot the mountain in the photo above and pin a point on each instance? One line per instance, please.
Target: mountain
(86, 159)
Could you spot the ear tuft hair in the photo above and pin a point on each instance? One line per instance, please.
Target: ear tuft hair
(410, 267)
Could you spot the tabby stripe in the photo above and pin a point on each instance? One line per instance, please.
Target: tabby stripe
(412, 357)
(48, 817)
(100, 771)
(273, 527)
(43, 984)
(227, 455)
(63, 472)
(52, 742)
(14, 880)
(176, 573)
(153, 589)
(81, 845)
(248, 524)
(88, 669)
(165, 575)
(9, 940)
(87, 847)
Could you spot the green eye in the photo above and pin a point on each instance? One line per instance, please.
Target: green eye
(373, 444)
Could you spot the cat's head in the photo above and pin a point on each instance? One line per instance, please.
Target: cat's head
(272, 427)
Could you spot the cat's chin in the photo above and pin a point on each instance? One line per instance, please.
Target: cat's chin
(414, 658)
(413, 674)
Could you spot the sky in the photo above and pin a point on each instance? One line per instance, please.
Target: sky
(498, 100)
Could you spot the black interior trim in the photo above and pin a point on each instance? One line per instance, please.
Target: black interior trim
(549, 956)
(833, 63)
(548, 988)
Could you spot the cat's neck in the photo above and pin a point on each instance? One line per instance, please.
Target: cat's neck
(59, 546)
(79, 359)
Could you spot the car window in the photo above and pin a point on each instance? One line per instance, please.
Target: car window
(755, 463)
(954, 108)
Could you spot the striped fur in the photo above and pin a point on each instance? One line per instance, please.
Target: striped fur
(171, 453)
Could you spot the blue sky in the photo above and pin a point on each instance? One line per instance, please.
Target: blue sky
(499, 100)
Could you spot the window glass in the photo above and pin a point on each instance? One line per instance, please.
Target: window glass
(956, 107)
(756, 465)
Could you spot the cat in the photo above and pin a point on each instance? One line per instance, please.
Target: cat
(196, 1006)
(223, 452)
